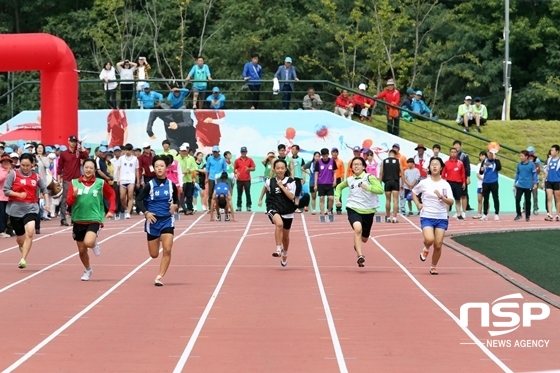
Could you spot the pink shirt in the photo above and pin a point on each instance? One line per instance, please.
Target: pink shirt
(3, 175)
(173, 173)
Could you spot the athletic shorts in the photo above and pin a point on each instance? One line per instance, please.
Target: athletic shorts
(479, 190)
(434, 223)
(456, 189)
(79, 230)
(554, 185)
(391, 186)
(365, 219)
(286, 222)
(408, 194)
(161, 226)
(125, 185)
(18, 224)
(325, 190)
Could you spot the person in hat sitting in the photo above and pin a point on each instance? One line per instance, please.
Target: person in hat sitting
(363, 105)
(216, 100)
(221, 199)
(420, 107)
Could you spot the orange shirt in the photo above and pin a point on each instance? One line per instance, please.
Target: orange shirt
(339, 172)
(403, 162)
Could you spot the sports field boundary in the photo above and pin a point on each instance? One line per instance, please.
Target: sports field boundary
(454, 246)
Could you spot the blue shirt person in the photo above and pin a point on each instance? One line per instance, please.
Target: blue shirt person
(286, 72)
(149, 99)
(176, 98)
(252, 74)
(216, 100)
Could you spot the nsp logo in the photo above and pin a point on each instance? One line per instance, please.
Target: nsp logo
(498, 310)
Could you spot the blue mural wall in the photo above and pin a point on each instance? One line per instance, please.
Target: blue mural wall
(259, 130)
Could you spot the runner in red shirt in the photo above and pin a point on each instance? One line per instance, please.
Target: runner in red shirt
(242, 167)
(117, 128)
(454, 173)
(393, 97)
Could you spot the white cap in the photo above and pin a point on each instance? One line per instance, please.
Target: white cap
(468, 98)
(362, 86)
(14, 155)
(183, 148)
(28, 146)
(51, 156)
(146, 145)
(390, 82)
(186, 144)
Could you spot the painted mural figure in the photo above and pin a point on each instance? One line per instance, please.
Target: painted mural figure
(178, 124)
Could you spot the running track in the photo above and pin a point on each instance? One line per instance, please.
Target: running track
(228, 305)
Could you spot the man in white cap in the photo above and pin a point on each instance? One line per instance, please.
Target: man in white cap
(286, 73)
(465, 114)
(391, 96)
(363, 105)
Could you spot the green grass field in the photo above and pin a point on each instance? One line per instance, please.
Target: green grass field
(516, 134)
(534, 255)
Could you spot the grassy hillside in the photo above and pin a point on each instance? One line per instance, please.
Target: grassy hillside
(516, 134)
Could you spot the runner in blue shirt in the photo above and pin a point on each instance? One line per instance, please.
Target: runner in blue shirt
(221, 199)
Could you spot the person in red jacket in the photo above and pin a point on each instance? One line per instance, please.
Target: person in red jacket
(363, 106)
(454, 173)
(344, 105)
(68, 168)
(391, 96)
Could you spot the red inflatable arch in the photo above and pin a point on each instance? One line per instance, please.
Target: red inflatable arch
(59, 80)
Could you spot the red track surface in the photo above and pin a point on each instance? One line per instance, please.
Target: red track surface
(228, 306)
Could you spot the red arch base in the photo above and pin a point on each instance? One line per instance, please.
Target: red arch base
(59, 80)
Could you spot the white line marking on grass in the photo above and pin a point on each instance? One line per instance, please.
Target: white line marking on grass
(79, 315)
(190, 345)
(330, 320)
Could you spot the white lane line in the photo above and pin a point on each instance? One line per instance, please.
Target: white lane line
(63, 260)
(79, 315)
(481, 345)
(37, 239)
(330, 320)
(190, 345)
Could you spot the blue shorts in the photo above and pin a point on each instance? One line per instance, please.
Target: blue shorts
(161, 226)
(195, 193)
(408, 194)
(478, 190)
(434, 223)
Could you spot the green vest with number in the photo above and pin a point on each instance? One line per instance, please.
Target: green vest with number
(89, 205)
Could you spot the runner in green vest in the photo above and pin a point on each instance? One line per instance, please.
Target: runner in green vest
(88, 212)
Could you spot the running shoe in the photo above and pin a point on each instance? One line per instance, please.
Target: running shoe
(361, 260)
(476, 217)
(518, 217)
(4, 235)
(277, 253)
(424, 254)
(527, 219)
(284, 258)
(548, 218)
(228, 218)
(248, 209)
(97, 249)
(21, 249)
(127, 215)
(433, 270)
(484, 217)
(496, 217)
(87, 274)
(157, 281)
(218, 217)
(22, 264)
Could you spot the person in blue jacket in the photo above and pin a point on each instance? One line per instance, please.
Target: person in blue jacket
(176, 97)
(525, 181)
(490, 168)
(420, 107)
(252, 74)
(150, 99)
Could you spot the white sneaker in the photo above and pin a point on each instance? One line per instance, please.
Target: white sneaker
(484, 217)
(464, 214)
(455, 216)
(496, 217)
(97, 249)
(127, 215)
(204, 208)
(87, 274)
(4, 235)
(194, 209)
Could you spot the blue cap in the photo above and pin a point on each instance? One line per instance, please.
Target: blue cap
(25, 151)
(419, 93)
(215, 148)
(20, 143)
(288, 59)
(334, 150)
(63, 148)
(87, 145)
(531, 149)
(146, 85)
(410, 91)
(102, 149)
(116, 148)
(104, 143)
(396, 145)
(215, 89)
(49, 149)
(8, 150)
(356, 148)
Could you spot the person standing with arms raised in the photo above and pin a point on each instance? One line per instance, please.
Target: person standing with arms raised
(68, 169)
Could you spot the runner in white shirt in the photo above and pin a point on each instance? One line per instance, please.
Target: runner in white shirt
(128, 172)
(434, 210)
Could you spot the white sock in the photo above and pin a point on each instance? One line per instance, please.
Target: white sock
(278, 247)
